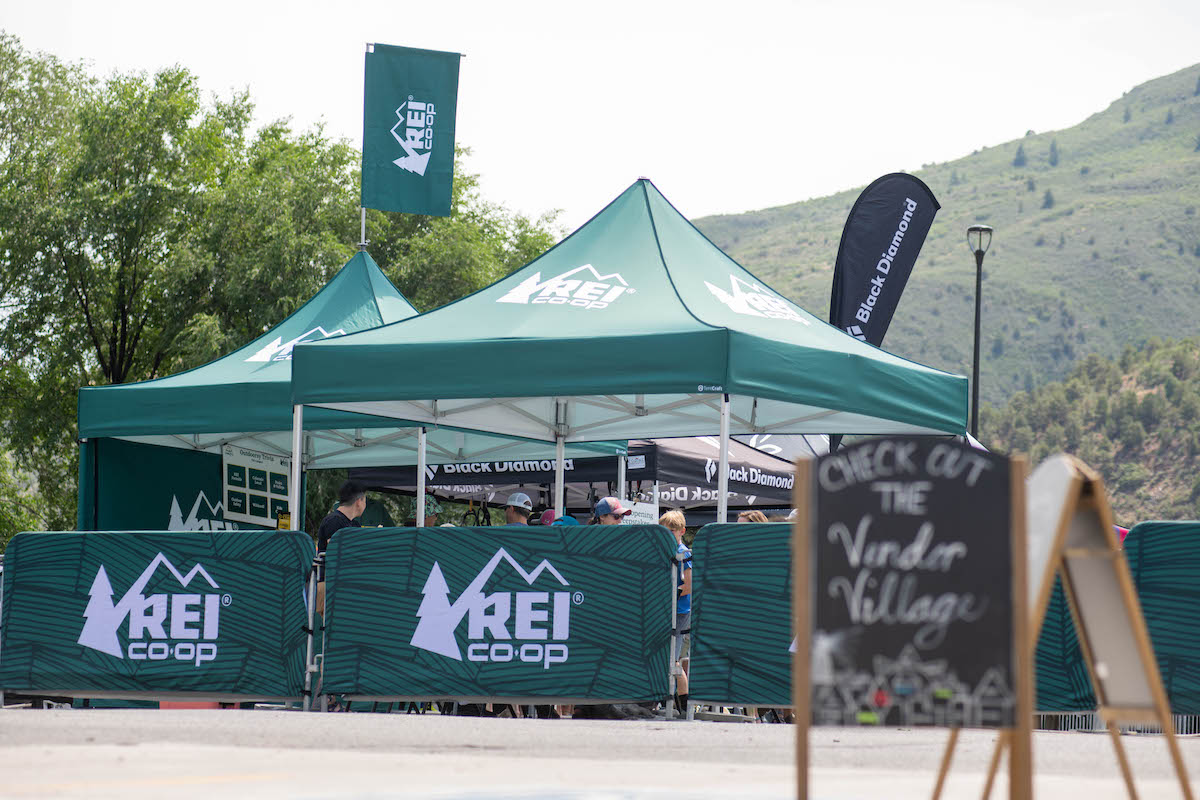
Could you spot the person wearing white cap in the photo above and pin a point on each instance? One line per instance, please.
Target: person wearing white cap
(517, 509)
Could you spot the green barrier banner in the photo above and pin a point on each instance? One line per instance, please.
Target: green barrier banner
(1164, 558)
(582, 613)
(215, 613)
(742, 615)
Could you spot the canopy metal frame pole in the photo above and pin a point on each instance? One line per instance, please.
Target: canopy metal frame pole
(310, 666)
(723, 474)
(362, 241)
(297, 466)
(559, 499)
(560, 438)
(422, 441)
(622, 494)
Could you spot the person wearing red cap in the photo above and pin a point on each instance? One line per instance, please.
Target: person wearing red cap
(609, 511)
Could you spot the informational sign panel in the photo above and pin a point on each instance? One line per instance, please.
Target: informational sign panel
(151, 614)
(642, 514)
(255, 485)
(742, 615)
(578, 613)
(912, 593)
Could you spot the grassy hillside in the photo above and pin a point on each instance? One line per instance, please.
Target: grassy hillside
(1113, 261)
(1136, 419)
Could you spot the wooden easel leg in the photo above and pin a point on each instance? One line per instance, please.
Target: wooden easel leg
(1115, 733)
(1177, 758)
(994, 767)
(945, 767)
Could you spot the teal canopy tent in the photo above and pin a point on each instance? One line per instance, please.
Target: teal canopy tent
(244, 398)
(635, 326)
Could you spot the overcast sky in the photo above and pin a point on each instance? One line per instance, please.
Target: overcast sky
(728, 107)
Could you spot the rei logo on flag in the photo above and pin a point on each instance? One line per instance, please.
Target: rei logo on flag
(409, 106)
(414, 132)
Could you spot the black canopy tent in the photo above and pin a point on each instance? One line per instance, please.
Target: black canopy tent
(685, 470)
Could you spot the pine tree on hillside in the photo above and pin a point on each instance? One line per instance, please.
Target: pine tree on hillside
(1054, 153)
(1030, 186)
(1170, 116)
(1019, 159)
(1197, 92)
(1048, 200)
(1128, 115)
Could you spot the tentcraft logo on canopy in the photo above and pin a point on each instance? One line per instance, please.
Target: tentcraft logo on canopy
(599, 292)
(280, 351)
(417, 120)
(489, 636)
(755, 300)
(167, 619)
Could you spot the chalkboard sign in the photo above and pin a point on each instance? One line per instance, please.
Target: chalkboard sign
(912, 586)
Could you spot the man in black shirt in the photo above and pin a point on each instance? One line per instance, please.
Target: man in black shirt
(352, 499)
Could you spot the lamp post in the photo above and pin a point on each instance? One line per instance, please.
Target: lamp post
(979, 238)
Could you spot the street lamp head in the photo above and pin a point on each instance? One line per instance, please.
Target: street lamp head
(979, 238)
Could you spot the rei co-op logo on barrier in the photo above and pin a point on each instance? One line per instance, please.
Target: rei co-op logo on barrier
(532, 627)
(181, 626)
(582, 287)
(754, 300)
(413, 131)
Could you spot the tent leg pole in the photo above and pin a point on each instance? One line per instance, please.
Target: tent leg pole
(297, 465)
(621, 493)
(723, 474)
(310, 666)
(559, 450)
(421, 444)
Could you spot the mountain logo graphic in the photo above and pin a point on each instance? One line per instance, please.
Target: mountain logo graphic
(204, 516)
(279, 350)
(582, 287)
(416, 118)
(183, 625)
(857, 333)
(490, 636)
(755, 300)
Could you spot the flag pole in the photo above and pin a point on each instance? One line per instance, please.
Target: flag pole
(362, 239)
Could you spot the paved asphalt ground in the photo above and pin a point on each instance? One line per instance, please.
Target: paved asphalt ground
(132, 754)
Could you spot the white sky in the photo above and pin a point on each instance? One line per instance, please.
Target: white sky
(726, 106)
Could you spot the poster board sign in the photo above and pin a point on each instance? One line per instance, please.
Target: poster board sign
(500, 613)
(1072, 539)
(912, 586)
(642, 514)
(155, 614)
(741, 652)
(916, 544)
(254, 484)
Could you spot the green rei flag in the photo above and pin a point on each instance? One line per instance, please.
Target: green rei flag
(156, 613)
(742, 615)
(408, 130)
(578, 613)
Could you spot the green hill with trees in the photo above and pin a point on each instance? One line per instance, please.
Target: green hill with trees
(1136, 419)
(1096, 247)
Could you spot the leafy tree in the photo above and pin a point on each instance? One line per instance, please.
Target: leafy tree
(1054, 152)
(144, 231)
(17, 505)
(1048, 200)
(1019, 159)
